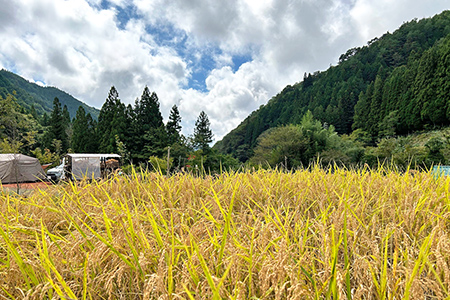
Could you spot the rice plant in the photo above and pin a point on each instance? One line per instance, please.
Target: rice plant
(267, 234)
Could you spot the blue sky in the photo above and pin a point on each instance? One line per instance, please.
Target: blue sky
(223, 57)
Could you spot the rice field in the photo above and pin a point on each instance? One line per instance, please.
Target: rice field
(312, 234)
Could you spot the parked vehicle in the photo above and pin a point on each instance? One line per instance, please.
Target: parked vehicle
(57, 173)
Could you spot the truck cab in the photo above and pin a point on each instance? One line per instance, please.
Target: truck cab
(57, 173)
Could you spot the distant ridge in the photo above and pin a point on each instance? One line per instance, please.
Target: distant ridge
(29, 94)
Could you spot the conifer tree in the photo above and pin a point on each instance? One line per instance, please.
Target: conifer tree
(425, 90)
(149, 132)
(57, 130)
(375, 106)
(173, 126)
(111, 122)
(66, 116)
(155, 143)
(92, 141)
(362, 109)
(67, 125)
(202, 133)
(147, 113)
(129, 137)
(80, 128)
(84, 138)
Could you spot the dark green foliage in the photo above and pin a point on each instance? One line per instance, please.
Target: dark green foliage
(202, 133)
(362, 109)
(215, 161)
(34, 113)
(84, 139)
(387, 126)
(434, 147)
(149, 134)
(147, 111)
(417, 91)
(281, 145)
(155, 143)
(9, 116)
(80, 128)
(66, 116)
(128, 141)
(406, 72)
(92, 141)
(32, 95)
(179, 152)
(375, 111)
(18, 131)
(293, 145)
(173, 126)
(112, 121)
(45, 120)
(56, 138)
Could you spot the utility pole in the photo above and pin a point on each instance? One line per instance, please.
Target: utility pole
(168, 161)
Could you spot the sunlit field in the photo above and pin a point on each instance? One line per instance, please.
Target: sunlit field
(317, 234)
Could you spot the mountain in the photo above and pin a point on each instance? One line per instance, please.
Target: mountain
(398, 83)
(29, 94)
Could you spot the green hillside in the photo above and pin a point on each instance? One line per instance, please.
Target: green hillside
(30, 94)
(396, 84)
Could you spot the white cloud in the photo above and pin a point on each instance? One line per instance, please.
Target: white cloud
(231, 95)
(374, 18)
(79, 47)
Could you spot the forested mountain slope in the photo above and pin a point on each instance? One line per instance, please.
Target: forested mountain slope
(30, 95)
(396, 84)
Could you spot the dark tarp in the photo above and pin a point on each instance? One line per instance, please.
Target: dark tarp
(20, 168)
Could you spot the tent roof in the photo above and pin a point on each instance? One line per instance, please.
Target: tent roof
(91, 155)
(20, 168)
(12, 156)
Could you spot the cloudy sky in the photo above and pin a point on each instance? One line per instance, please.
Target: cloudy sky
(224, 57)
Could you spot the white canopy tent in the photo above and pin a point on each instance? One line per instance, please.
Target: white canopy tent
(86, 165)
(20, 168)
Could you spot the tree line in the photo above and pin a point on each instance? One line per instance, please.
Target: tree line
(298, 145)
(137, 132)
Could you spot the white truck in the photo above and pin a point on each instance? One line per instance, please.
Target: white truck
(57, 173)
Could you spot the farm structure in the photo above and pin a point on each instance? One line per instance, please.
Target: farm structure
(90, 166)
(17, 168)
